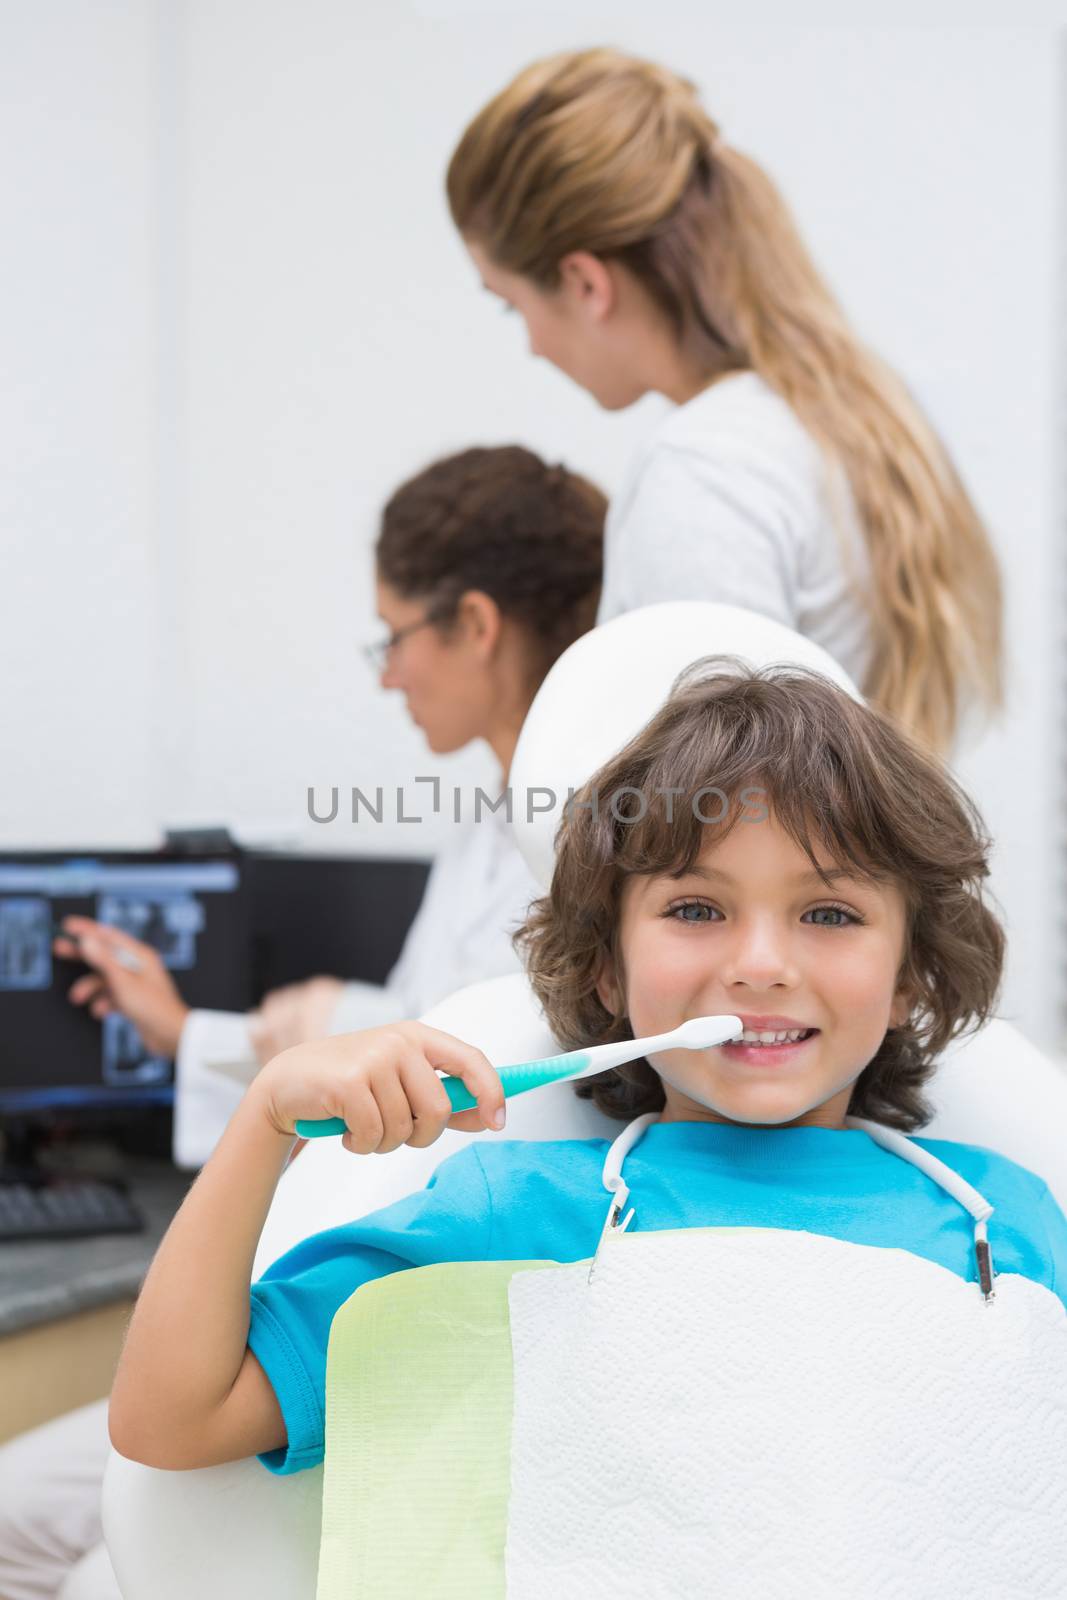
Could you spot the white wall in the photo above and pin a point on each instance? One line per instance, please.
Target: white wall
(78, 195)
(261, 206)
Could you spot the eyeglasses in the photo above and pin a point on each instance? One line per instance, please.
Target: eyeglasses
(378, 653)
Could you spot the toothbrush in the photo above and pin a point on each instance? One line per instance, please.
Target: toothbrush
(699, 1033)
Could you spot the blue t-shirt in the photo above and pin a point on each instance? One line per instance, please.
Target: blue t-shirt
(537, 1201)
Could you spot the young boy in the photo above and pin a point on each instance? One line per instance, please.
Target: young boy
(766, 847)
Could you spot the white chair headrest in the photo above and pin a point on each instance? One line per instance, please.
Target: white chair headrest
(611, 682)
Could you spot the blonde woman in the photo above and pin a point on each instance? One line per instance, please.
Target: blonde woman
(795, 475)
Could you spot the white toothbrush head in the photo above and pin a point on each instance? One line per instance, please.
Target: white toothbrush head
(704, 1033)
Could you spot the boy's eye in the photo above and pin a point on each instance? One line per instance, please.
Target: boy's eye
(691, 911)
(833, 911)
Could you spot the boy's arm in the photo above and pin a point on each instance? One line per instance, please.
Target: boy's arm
(188, 1392)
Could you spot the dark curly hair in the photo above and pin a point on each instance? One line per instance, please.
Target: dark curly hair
(833, 772)
(502, 521)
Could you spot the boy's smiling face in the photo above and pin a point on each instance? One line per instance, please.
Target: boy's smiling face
(752, 931)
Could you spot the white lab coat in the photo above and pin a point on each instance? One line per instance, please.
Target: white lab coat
(476, 896)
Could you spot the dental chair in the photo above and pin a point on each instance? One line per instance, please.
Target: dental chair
(222, 1533)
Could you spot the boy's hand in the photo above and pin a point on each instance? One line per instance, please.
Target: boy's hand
(382, 1082)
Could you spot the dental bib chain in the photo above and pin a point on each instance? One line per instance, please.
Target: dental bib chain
(889, 1138)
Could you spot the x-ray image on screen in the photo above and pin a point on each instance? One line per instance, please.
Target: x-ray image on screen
(125, 1060)
(168, 922)
(54, 1054)
(25, 943)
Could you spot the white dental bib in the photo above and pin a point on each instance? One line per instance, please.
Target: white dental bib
(745, 1413)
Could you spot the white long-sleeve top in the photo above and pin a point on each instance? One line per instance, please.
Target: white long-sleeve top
(731, 500)
(476, 895)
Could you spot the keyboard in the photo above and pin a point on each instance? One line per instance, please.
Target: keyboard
(65, 1208)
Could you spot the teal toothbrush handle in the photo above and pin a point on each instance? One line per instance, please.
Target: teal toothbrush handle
(516, 1080)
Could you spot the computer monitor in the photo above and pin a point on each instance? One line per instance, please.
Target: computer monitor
(54, 1057)
(346, 916)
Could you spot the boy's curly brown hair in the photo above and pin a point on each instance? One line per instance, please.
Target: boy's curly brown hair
(834, 772)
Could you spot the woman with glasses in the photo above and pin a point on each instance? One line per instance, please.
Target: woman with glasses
(488, 565)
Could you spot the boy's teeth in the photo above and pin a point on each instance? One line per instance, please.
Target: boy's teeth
(781, 1036)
